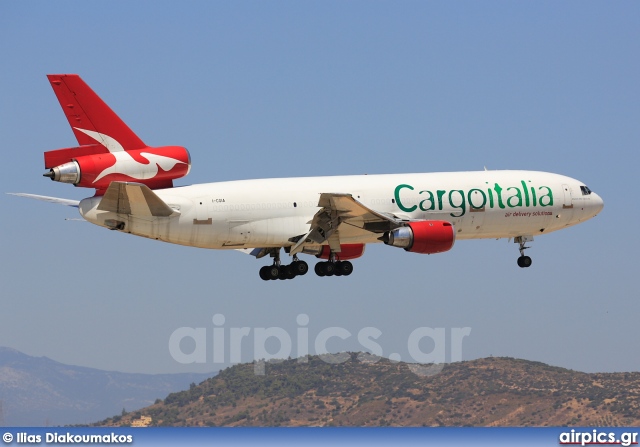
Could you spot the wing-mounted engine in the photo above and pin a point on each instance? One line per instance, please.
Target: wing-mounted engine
(94, 166)
(426, 237)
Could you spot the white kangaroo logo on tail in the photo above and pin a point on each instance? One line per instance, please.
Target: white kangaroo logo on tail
(124, 161)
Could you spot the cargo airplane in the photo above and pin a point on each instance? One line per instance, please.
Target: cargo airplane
(332, 218)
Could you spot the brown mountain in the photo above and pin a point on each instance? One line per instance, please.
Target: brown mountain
(484, 392)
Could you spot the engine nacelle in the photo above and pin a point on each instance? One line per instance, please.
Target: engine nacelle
(426, 237)
(155, 167)
(347, 251)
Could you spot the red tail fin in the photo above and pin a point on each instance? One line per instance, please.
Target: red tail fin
(109, 151)
(90, 118)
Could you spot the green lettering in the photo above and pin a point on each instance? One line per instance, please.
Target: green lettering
(461, 206)
(430, 199)
(526, 193)
(549, 195)
(499, 192)
(533, 195)
(517, 195)
(397, 196)
(484, 199)
(440, 194)
(490, 196)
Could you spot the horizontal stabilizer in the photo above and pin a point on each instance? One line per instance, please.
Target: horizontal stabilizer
(134, 199)
(67, 202)
(59, 156)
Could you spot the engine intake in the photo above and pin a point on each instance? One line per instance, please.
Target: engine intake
(426, 237)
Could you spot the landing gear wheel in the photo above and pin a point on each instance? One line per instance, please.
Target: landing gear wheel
(284, 272)
(338, 268)
(289, 271)
(346, 268)
(300, 267)
(264, 273)
(329, 268)
(524, 261)
(273, 272)
(319, 269)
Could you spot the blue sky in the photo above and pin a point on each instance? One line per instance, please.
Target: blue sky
(279, 89)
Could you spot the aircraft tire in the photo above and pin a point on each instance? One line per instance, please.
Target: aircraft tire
(346, 268)
(274, 272)
(329, 268)
(524, 261)
(289, 271)
(300, 267)
(264, 273)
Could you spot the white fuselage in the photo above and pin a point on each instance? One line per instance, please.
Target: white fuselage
(269, 212)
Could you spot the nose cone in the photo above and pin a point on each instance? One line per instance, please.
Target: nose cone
(596, 204)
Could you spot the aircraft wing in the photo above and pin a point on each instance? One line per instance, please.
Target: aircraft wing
(342, 213)
(67, 202)
(135, 199)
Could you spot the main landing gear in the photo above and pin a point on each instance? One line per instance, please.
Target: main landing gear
(279, 271)
(334, 268)
(523, 261)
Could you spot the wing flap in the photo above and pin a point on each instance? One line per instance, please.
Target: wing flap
(349, 209)
(340, 210)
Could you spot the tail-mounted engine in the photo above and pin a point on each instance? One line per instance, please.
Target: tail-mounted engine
(108, 149)
(95, 167)
(426, 237)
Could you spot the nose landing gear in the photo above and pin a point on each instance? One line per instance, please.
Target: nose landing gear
(523, 261)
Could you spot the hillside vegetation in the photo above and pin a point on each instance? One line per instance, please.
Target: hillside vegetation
(484, 392)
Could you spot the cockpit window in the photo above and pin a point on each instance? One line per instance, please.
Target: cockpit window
(585, 190)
